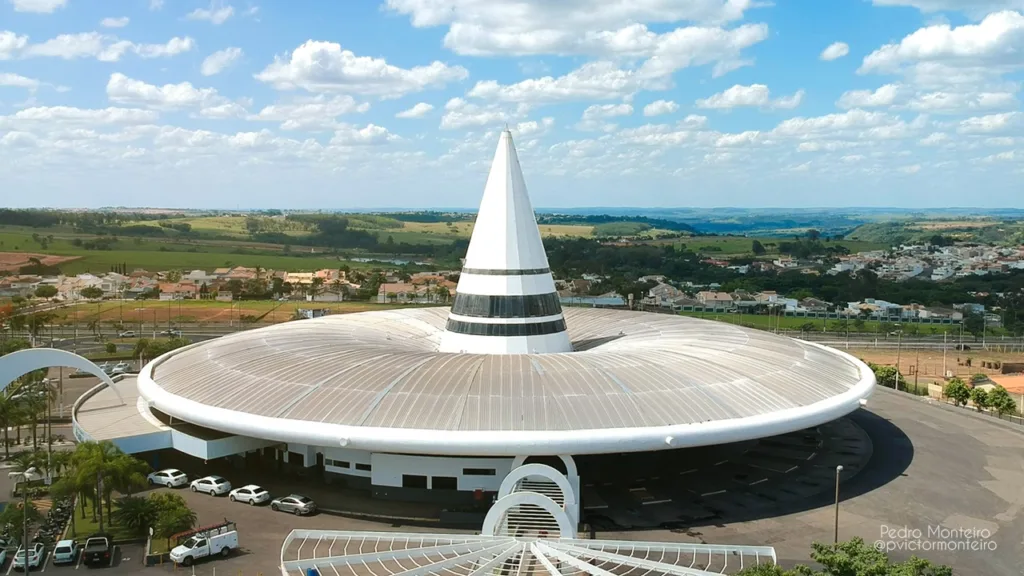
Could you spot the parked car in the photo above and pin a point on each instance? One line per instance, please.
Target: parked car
(35, 556)
(171, 478)
(65, 552)
(213, 485)
(250, 493)
(98, 550)
(126, 334)
(3, 555)
(106, 367)
(121, 368)
(295, 503)
(220, 540)
(172, 332)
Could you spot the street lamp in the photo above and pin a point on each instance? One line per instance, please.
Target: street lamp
(835, 539)
(25, 538)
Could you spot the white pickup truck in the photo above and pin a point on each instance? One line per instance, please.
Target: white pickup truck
(206, 542)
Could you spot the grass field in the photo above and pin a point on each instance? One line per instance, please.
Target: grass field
(741, 246)
(85, 527)
(168, 254)
(765, 322)
(154, 312)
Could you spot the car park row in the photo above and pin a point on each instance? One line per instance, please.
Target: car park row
(249, 494)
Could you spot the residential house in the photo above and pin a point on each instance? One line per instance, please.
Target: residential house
(814, 305)
(716, 300)
(199, 277)
(178, 290)
(662, 294)
(579, 286)
(399, 292)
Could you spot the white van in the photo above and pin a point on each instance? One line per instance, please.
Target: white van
(220, 539)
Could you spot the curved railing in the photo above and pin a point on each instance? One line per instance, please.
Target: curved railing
(80, 434)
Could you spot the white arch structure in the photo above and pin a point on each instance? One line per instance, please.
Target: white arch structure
(570, 464)
(24, 361)
(495, 521)
(567, 493)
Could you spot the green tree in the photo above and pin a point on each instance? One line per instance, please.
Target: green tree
(975, 324)
(173, 515)
(46, 291)
(1001, 401)
(14, 517)
(135, 514)
(888, 376)
(110, 348)
(10, 414)
(979, 396)
(91, 292)
(853, 558)
(957, 391)
(757, 248)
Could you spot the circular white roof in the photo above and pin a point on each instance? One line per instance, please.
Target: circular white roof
(637, 381)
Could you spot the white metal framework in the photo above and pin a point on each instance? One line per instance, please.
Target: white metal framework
(24, 361)
(524, 534)
(409, 554)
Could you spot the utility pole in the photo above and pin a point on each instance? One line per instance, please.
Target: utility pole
(835, 539)
(899, 341)
(944, 335)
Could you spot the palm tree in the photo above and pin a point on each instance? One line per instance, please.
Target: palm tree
(24, 463)
(96, 460)
(315, 286)
(128, 474)
(135, 514)
(9, 413)
(34, 405)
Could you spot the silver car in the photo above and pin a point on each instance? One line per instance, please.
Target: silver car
(294, 503)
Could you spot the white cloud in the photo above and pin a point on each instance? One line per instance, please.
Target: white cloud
(215, 14)
(18, 81)
(11, 44)
(996, 41)
(156, 4)
(318, 113)
(990, 123)
(912, 169)
(220, 60)
(38, 6)
(592, 81)
(883, 96)
(835, 51)
(534, 128)
(960, 102)
(124, 90)
(659, 107)
(369, 135)
(479, 27)
(115, 22)
(90, 45)
(418, 111)
(755, 95)
(850, 123)
(71, 116)
(458, 113)
(934, 139)
(325, 67)
(971, 7)
(606, 111)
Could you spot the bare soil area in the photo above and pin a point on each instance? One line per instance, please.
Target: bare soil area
(14, 260)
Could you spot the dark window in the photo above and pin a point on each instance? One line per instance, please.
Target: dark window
(338, 463)
(528, 306)
(481, 329)
(497, 272)
(478, 471)
(414, 481)
(444, 483)
(363, 467)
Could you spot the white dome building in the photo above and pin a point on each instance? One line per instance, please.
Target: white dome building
(430, 403)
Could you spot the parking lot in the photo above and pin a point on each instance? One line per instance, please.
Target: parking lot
(126, 559)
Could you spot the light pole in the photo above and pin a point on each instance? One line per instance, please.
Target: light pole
(25, 538)
(835, 539)
(899, 341)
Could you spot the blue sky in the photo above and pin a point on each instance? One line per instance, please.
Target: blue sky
(364, 104)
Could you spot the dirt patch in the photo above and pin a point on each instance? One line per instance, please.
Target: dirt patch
(928, 364)
(13, 260)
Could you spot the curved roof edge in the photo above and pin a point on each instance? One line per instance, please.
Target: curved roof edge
(508, 443)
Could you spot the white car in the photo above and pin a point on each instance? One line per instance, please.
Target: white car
(212, 485)
(65, 552)
(250, 493)
(120, 368)
(127, 334)
(171, 478)
(35, 556)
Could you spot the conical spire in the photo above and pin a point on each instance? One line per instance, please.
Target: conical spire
(506, 301)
